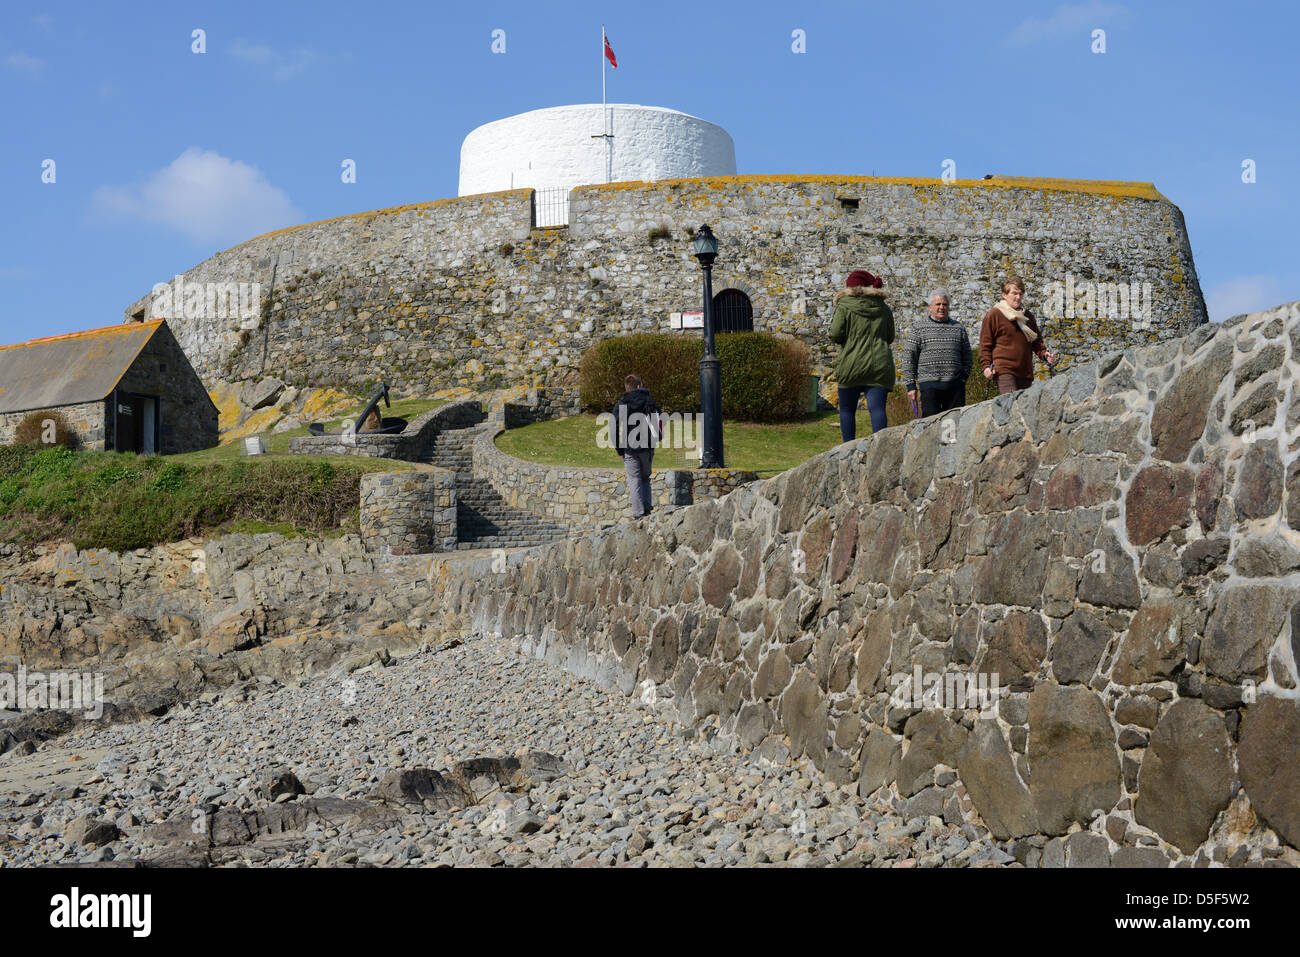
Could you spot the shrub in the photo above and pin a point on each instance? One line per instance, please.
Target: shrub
(660, 232)
(762, 375)
(46, 427)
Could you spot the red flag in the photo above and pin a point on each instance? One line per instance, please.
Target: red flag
(609, 54)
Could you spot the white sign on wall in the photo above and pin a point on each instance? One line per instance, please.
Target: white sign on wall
(688, 320)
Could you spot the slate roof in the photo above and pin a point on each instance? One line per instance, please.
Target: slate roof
(70, 369)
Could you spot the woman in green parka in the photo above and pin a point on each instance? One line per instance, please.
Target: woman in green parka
(863, 327)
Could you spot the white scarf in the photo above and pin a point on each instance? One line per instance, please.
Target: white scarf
(1018, 317)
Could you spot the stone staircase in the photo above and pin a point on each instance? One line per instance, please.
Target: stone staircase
(483, 518)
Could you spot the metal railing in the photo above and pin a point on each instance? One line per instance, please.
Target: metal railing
(550, 206)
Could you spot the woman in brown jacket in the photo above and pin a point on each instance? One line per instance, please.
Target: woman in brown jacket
(1009, 340)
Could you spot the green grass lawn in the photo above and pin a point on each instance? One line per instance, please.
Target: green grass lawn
(767, 449)
(278, 443)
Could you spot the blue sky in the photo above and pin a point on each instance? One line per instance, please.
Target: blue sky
(163, 156)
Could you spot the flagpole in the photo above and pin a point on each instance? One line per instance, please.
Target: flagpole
(604, 110)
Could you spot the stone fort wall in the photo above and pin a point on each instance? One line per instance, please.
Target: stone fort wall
(464, 292)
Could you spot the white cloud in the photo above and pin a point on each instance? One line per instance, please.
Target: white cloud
(1244, 294)
(1076, 18)
(204, 196)
(25, 63)
(282, 65)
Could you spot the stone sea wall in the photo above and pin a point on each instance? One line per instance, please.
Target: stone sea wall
(1119, 546)
(464, 292)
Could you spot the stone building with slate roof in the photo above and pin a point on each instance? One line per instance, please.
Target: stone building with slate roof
(127, 387)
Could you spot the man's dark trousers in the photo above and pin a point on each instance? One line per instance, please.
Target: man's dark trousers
(939, 397)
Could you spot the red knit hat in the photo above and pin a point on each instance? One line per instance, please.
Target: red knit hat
(860, 277)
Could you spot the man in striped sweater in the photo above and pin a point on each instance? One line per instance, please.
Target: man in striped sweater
(936, 359)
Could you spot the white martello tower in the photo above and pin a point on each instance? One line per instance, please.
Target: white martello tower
(567, 146)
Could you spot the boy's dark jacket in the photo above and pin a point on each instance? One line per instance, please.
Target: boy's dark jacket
(638, 403)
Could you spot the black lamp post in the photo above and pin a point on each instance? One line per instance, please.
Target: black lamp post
(706, 250)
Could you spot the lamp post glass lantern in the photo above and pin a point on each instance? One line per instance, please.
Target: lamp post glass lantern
(706, 251)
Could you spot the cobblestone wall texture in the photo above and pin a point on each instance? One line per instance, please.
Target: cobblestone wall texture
(409, 513)
(86, 419)
(464, 292)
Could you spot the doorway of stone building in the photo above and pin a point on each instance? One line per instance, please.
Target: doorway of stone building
(733, 311)
(136, 423)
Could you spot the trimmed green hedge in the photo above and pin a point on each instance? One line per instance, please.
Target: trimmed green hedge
(763, 375)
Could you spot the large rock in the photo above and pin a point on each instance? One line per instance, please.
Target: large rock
(1243, 626)
(1078, 646)
(721, 578)
(1157, 640)
(1073, 761)
(986, 768)
(878, 636)
(663, 649)
(1259, 483)
(1109, 575)
(881, 752)
(1159, 499)
(932, 739)
(90, 831)
(881, 533)
(1081, 482)
(1003, 478)
(257, 395)
(1186, 777)
(1016, 566)
(417, 785)
(1178, 418)
(803, 712)
(1016, 647)
(1270, 772)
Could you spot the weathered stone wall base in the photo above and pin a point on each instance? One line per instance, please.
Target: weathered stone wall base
(409, 513)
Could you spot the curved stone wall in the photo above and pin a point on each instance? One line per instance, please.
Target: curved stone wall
(556, 147)
(1120, 546)
(589, 496)
(464, 292)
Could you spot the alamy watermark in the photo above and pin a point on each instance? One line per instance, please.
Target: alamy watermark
(646, 430)
(953, 690)
(60, 690)
(179, 299)
(1086, 299)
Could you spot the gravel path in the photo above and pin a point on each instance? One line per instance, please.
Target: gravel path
(638, 789)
